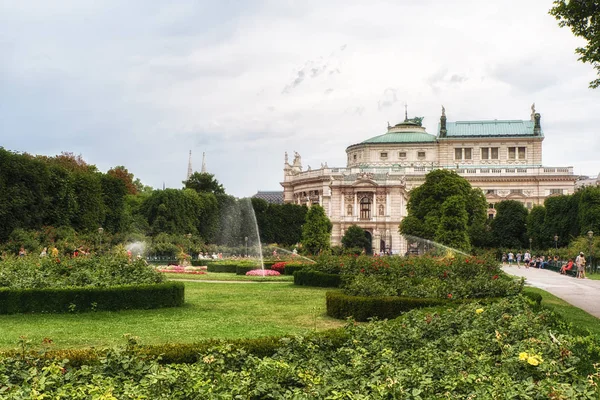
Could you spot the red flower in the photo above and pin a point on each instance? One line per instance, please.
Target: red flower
(449, 295)
(362, 270)
(495, 277)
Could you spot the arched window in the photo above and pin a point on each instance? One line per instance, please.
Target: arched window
(365, 208)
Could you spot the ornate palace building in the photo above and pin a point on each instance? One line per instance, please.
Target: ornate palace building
(503, 158)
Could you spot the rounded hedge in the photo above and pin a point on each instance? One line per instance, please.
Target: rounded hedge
(316, 278)
(361, 308)
(78, 299)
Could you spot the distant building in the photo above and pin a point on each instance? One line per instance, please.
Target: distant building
(272, 197)
(585, 181)
(503, 158)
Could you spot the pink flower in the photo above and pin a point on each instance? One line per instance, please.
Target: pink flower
(262, 272)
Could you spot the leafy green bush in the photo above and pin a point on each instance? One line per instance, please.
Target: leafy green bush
(291, 267)
(73, 299)
(502, 350)
(316, 278)
(48, 272)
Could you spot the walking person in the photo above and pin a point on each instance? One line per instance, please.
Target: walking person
(580, 262)
(526, 258)
(511, 258)
(519, 259)
(504, 258)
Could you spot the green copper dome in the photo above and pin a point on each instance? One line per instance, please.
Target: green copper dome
(402, 137)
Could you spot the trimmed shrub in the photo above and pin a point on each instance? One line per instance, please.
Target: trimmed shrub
(72, 299)
(222, 268)
(290, 268)
(361, 308)
(315, 278)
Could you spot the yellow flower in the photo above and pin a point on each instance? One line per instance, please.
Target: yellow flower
(534, 360)
(479, 310)
(523, 356)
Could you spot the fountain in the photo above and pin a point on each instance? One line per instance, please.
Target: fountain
(434, 245)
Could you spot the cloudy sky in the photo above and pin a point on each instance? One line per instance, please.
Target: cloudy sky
(140, 83)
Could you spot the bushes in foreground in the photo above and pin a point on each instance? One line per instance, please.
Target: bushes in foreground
(503, 350)
(73, 299)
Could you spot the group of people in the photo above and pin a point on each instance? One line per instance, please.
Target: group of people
(528, 261)
(541, 262)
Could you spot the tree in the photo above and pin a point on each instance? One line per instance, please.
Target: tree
(204, 182)
(583, 17)
(536, 228)
(425, 205)
(452, 230)
(316, 232)
(120, 172)
(589, 210)
(355, 238)
(508, 227)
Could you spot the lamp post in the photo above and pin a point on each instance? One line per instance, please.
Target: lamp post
(100, 232)
(591, 237)
(246, 242)
(530, 241)
(556, 242)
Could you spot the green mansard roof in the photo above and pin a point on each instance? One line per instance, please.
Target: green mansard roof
(495, 128)
(402, 137)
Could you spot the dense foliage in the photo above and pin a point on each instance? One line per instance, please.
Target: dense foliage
(583, 17)
(316, 231)
(279, 223)
(509, 226)
(355, 238)
(50, 272)
(501, 351)
(425, 207)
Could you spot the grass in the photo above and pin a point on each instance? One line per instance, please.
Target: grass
(215, 310)
(224, 276)
(580, 319)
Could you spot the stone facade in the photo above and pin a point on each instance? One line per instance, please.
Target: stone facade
(503, 158)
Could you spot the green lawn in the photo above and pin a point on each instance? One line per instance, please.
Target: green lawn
(212, 310)
(576, 316)
(224, 276)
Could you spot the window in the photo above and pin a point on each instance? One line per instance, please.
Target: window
(556, 191)
(402, 154)
(490, 216)
(463, 154)
(529, 205)
(354, 157)
(349, 210)
(489, 153)
(491, 205)
(421, 154)
(490, 191)
(383, 155)
(514, 152)
(365, 208)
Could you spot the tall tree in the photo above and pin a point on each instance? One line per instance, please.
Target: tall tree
(537, 230)
(316, 232)
(509, 226)
(583, 17)
(425, 205)
(204, 182)
(452, 230)
(355, 238)
(120, 172)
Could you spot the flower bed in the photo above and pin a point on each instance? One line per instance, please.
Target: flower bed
(180, 269)
(262, 272)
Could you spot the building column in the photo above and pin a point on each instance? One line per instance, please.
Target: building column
(374, 208)
(356, 205)
(343, 206)
(388, 206)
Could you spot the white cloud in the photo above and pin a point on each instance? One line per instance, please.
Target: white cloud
(139, 84)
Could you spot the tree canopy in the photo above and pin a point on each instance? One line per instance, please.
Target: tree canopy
(426, 201)
(204, 182)
(316, 231)
(509, 226)
(355, 238)
(583, 17)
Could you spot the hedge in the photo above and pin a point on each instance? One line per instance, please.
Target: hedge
(291, 268)
(74, 299)
(231, 268)
(316, 278)
(188, 353)
(342, 306)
